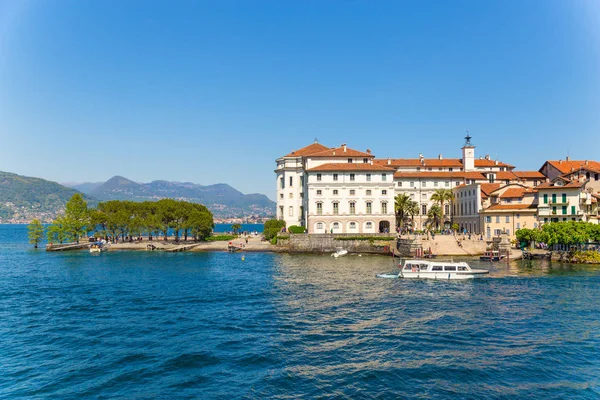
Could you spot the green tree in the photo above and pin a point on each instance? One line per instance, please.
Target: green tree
(441, 196)
(35, 232)
(77, 216)
(434, 216)
(412, 210)
(273, 227)
(58, 231)
(401, 205)
(236, 228)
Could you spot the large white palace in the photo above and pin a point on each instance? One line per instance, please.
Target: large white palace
(342, 190)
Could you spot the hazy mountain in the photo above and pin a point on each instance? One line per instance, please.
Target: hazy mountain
(222, 199)
(23, 198)
(83, 187)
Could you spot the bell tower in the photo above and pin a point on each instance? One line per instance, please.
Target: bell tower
(468, 154)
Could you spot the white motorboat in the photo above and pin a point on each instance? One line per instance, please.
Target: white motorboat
(339, 252)
(426, 269)
(99, 247)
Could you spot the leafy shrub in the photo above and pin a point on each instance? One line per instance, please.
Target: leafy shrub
(272, 228)
(296, 229)
(218, 238)
(371, 238)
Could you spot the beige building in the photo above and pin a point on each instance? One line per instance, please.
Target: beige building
(509, 208)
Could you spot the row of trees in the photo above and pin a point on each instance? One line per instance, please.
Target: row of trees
(127, 218)
(567, 233)
(404, 207)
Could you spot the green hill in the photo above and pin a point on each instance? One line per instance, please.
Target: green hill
(24, 198)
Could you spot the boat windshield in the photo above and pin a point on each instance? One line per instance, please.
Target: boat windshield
(436, 268)
(462, 269)
(450, 268)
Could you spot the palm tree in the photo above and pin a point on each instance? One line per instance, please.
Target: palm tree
(441, 196)
(434, 216)
(401, 203)
(412, 209)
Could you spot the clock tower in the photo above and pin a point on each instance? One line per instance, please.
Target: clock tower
(468, 154)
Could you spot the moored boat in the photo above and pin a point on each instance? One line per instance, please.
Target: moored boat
(426, 269)
(339, 252)
(98, 247)
(491, 255)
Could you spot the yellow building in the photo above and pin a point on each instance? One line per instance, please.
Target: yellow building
(510, 208)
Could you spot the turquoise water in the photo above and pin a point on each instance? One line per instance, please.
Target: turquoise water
(137, 325)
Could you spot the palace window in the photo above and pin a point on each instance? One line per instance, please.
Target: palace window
(369, 207)
(351, 177)
(352, 225)
(497, 219)
(335, 177)
(424, 209)
(507, 219)
(291, 180)
(384, 192)
(369, 225)
(318, 177)
(291, 195)
(281, 212)
(352, 192)
(281, 195)
(365, 160)
(399, 184)
(349, 161)
(335, 191)
(319, 225)
(319, 192)
(412, 184)
(435, 183)
(447, 183)
(352, 207)
(368, 192)
(488, 219)
(319, 208)
(291, 211)
(368, 177)
(424, 184)
(383, 177)
(336, 208)
(281, 183)
(384, 208)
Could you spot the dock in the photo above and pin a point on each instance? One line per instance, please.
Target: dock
(67, 246)
(184, 247)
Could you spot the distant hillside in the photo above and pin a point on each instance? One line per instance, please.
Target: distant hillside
(23, 198)
(223, 200)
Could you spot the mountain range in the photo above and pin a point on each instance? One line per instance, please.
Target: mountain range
(24, 198)
(223, 200)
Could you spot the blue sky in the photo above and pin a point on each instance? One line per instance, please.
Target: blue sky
(215, 91)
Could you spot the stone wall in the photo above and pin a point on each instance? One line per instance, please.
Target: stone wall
(327, 243)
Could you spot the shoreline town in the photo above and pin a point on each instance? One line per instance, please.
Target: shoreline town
(345, 191)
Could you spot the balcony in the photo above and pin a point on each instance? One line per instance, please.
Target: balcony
(545, 212)
(558, 203)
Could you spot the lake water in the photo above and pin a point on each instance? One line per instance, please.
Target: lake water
(138, 325)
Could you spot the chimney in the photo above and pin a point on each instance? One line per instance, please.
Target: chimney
(344, 147)
(316, 141)
(293, 151)
(568, 158)
(421, 155)
(440, 157)
(487, 157)
(496, 162)
(559, 162)
(481, 157)
(587, 162)
(368, 151)
(389, 161)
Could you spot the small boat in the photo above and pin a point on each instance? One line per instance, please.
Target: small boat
(339, 252)
(491, 255)
(99, 247)
(436, 270)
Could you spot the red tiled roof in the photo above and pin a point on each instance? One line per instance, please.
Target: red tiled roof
(529, 174)
(570, 185)
(513, 207)
(439, 174)
(506, 176)
(340, 152)
(515, 192)
(308, 150)
(487, 188)
(425, 162)
(349, 167)
(491, 163)
(565, 166)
